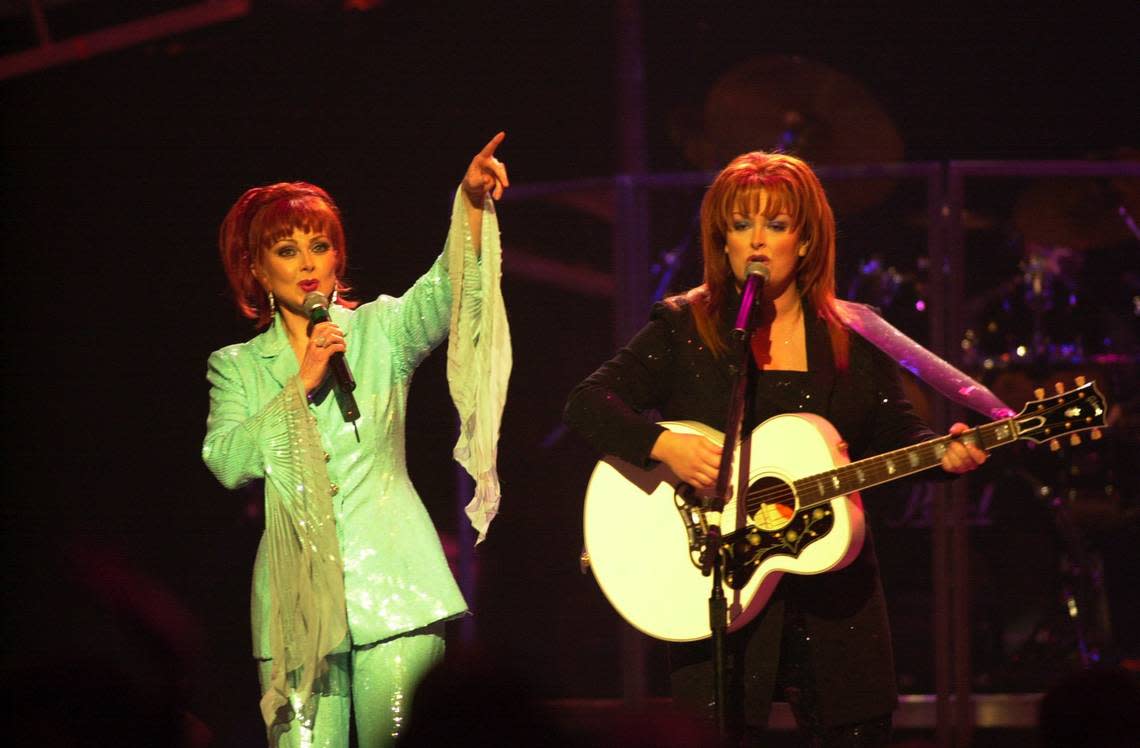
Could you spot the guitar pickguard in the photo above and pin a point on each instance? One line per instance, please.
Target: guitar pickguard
(747, 547)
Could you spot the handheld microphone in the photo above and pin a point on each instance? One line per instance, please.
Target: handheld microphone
(316, 306)
(756, 275)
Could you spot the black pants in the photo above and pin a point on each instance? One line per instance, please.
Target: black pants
(747, 714)
(798, 684)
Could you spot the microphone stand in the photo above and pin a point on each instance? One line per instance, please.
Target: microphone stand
(711, 559)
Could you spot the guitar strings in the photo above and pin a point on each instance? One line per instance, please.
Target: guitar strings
(784, 493)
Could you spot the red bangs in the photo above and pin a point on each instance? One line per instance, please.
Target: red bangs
(770, 193)
(281, 218)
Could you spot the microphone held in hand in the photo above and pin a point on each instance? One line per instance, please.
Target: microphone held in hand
(756, 274)
(316, 306)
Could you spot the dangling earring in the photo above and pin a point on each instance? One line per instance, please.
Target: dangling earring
(803, 250)
(272, 305)
(332, 296)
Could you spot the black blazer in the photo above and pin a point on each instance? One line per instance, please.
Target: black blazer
(666, 368)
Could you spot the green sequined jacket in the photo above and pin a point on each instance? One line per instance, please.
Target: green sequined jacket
(396, 578)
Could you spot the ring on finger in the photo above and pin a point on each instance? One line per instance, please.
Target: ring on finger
(322, 341)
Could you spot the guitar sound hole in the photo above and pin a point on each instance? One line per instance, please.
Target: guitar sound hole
(771, 503)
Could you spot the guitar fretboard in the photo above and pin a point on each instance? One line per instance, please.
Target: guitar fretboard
(874, 471)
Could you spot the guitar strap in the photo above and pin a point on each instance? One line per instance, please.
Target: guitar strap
(952, 383)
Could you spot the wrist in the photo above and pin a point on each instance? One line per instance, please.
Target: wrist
(473, 198)
(660, 446)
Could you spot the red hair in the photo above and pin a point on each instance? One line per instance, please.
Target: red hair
(259, 218)
(788, 186)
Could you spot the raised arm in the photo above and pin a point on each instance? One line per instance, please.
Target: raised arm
(424, 312)
(486, 175)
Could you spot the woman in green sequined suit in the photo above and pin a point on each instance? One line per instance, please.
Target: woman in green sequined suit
(350, 586)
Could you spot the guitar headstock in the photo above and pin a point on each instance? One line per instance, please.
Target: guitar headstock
(1066, 413)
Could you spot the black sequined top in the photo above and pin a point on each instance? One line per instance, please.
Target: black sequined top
(667, 369)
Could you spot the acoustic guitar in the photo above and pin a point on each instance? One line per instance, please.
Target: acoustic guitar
(800, 512)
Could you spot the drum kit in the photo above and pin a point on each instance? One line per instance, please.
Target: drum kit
(1068, 306)
(1069, 309)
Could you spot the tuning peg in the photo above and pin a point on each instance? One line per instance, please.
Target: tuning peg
(1096, 434)
(1039, 393)
(1080, 380)
(1054, 445)
(1059, 387)
(1074, 440)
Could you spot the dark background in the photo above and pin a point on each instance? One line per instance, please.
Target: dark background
(118, 170)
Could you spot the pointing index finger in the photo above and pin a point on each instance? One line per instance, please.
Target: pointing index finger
(492, 144)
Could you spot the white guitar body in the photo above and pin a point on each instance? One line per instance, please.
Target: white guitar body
(638, 543)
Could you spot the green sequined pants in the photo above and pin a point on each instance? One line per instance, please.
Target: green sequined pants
(372, 684)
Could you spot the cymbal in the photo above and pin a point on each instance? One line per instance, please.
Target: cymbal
(1077, 213)
(799, 106)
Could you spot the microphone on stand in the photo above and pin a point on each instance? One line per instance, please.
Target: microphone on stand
(756, 275)
(316, 306)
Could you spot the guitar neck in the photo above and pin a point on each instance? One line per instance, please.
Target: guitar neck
(884, 468)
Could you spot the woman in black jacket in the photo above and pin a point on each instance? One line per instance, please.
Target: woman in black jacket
(824, 639)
